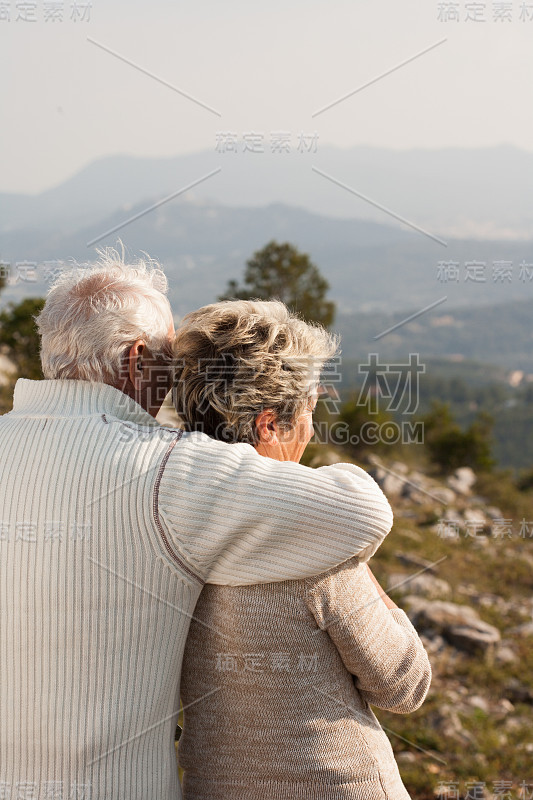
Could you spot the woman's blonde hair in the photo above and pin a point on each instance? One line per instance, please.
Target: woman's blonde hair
(237, 357)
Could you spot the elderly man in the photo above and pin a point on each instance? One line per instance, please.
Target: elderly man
(110, 525)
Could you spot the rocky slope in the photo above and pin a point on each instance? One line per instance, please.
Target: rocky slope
(459, 560)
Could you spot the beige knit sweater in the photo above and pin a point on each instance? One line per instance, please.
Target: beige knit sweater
(286, 718)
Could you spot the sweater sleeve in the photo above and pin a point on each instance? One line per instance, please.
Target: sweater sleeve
(378, 645)
(236, 517)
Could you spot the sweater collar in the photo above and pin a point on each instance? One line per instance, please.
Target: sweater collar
(68, 398)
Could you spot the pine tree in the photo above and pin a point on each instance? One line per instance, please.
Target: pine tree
(281, 272)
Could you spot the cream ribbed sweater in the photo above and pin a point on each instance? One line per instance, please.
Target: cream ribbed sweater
(109, 526)
(285, 717)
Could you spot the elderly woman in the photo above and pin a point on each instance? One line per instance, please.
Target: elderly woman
(289, 668)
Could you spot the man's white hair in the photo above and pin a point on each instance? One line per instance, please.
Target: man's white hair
(94, 314)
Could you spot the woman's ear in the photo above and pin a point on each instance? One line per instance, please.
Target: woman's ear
(266, 426)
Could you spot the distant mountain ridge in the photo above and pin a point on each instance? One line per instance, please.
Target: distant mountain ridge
(379, 269)
(482, 193)
(370, 267)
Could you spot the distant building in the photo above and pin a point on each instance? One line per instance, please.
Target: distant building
(515, 377)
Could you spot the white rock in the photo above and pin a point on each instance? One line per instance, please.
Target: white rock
(505, 655)
(504, 706)
(439, 615)
(526, 629)
(452, 515)
(473, 638)
(493, 512)
(479, 702)
(406, 757)
(462, 480)
(392, 485)
(444, 494)
(474, 515)
(399, 466)
(428, 586)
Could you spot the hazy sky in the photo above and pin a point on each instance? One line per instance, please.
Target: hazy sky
(263, 67)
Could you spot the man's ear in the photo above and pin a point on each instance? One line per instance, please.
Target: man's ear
(135, 363)
(267, 427)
